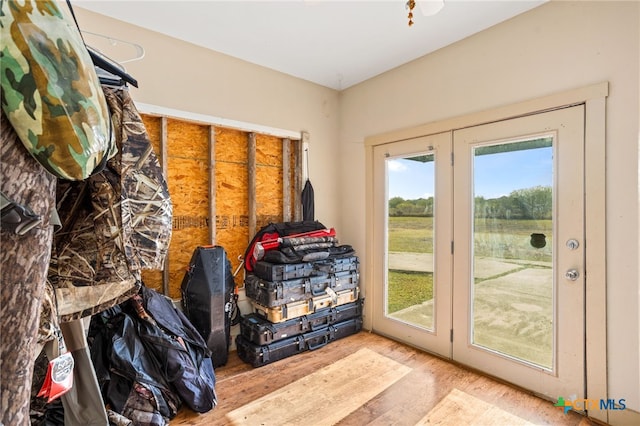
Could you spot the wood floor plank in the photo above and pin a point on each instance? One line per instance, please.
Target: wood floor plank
(325, 396)
(459, 407)
(405, 402)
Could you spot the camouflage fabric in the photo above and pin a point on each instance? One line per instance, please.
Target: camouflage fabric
(24, 260)
(114, 224)
(88, 268)
(142, 408)
(146, 207)
(50, 91)
(48, 315)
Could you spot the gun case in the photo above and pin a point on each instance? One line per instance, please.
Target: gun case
(260, 331)
(292, 310)
(259, 355)
(288, 271)
(207, 293)
(276, 293)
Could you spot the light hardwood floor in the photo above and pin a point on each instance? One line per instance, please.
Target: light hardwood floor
(405, 402)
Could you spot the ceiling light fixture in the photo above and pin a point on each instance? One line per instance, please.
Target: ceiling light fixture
(410, 5)
(427, 7)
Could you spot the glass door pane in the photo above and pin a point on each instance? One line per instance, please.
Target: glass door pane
(513, 232)
(410, 239)
(410, 235)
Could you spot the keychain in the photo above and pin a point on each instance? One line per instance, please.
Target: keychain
(59, 378)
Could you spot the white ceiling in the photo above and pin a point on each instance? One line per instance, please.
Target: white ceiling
(332, 43)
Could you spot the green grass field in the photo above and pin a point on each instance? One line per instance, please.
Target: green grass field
(494, 238)
(501, 238)
(408, 289)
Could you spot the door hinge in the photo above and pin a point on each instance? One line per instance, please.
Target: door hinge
(451, 247)
(451, 335)
(452, 158)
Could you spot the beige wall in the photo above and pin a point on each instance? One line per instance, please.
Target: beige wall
(556, 47)
(185, 77)
(553, 48)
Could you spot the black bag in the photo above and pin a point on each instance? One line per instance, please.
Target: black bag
(297, 255)
(125, 369)
(180, 351)
(208, 299)
(146, 346)
(275, 230)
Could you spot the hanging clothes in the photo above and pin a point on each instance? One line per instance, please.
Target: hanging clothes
(308, 202)
(114, 224)
(24, 259)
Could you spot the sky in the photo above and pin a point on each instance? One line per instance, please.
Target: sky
(495, 174)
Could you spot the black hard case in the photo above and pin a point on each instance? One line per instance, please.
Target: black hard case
(289, 271)
(259, 355)
(276, 293)
(207, 289)
(260, 331)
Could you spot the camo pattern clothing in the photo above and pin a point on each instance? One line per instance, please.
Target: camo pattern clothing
(23, 260)
(147, 211)
(114, 224)
(50, 90)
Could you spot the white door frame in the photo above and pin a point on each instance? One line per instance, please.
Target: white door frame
(436, 340)
(564, 375)
(594, 99)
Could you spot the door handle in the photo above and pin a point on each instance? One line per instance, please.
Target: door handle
(572, 274)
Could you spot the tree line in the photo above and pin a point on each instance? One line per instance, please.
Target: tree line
(528, 203)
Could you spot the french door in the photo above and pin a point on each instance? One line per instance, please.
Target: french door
(415, 238)
(481, 232)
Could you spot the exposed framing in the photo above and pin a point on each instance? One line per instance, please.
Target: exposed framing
(217, 121)
(594, 99)
(286, 183)
(251, 167)
(212, 185)
(291, 140)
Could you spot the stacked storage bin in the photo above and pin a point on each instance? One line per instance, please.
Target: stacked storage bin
(299, 307)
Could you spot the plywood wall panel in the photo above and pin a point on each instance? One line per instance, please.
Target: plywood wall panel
(152, 279)
(231, 146)
(268, 151)
(232, 203)
(153, 125)
(187, 140)
(269, 191)
(188, 180)
(268, 180)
